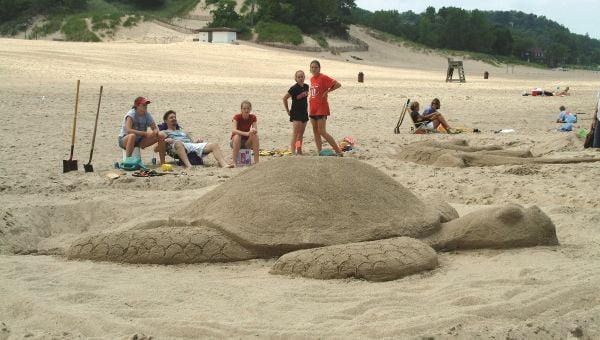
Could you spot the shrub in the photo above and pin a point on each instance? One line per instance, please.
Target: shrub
(320, 39)
(131, 20)
(53, 25)
(278, 32)
(106, 21)
(75, 29)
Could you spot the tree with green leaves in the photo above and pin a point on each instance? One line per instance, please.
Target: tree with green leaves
(503, 41)
(224, 15)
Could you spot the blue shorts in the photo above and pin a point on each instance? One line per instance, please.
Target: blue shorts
(324, 117)
(138, 139)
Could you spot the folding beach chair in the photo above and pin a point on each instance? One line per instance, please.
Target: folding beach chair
(192, 156)
(422, 127)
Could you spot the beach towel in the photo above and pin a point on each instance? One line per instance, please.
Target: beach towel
(132, 164)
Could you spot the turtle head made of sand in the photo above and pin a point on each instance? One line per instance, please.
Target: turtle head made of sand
(324, 217)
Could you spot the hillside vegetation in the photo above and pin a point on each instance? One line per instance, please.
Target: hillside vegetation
(506, 35)
(70, 16)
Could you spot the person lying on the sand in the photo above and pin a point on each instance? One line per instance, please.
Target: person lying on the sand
(432, 120)
(540, 92)
(433, 114)
(563, 93)
(180, 143)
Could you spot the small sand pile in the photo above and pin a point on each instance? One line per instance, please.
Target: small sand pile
(561, 143)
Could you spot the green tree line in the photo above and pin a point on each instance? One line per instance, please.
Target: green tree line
(330, 17)
(509, 34)
(501, 33)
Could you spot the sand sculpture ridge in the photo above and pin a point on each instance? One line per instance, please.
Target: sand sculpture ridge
(458, 153)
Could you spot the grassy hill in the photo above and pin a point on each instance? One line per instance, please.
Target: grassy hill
(98, 20)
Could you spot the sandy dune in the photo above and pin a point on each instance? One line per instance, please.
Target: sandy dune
(531, 293)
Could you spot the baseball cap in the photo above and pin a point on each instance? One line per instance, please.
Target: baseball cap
(141, 101)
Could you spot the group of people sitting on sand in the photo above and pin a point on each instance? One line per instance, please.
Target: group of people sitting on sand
(431, 118)
(139, 128)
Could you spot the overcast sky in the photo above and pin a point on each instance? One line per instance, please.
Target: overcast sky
(579, 16)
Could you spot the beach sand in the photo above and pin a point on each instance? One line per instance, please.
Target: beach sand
(527, 293)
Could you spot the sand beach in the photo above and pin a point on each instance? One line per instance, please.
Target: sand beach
(523, 293)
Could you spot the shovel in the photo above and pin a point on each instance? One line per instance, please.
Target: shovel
(401, 118)
(88, 167)
(71, 164)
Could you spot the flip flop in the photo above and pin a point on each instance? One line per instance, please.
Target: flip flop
(140, 173)
(153, 173)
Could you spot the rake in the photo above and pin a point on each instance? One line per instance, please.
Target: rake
(401, 118)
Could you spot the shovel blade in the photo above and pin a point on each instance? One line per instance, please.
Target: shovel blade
(69, 165)
(88, 168)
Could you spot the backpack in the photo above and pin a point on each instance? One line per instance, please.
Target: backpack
(132, 164)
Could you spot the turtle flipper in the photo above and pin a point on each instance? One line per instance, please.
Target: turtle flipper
(162, 245)
(380, 260)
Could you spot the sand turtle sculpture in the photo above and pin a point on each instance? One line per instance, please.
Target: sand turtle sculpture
(324, 217)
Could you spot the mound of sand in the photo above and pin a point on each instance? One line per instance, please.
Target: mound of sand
(346, 201)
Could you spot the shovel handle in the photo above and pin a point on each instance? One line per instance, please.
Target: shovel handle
(96, 124)
(75, 118)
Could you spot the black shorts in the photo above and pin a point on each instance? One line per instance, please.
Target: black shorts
(301, 116)
(324, 117)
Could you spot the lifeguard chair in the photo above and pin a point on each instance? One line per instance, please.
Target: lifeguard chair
(458, 65)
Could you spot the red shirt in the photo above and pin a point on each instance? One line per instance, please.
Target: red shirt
(318, 86)
(243, 124)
